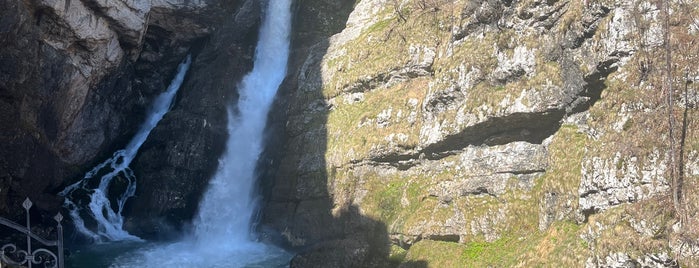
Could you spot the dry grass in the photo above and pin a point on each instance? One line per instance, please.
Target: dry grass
(637, 88)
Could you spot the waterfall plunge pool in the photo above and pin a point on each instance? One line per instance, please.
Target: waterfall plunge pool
(127, 254)
(221, 235)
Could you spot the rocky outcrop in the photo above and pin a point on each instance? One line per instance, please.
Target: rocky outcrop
(623, 260)
(298, 206)
(600, 188)
(405, 131)
(75, 81)
(60, 106)
(469, 122)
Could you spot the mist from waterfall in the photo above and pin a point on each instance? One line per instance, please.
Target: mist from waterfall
(229, 203)
(222, 233)
(84, 201)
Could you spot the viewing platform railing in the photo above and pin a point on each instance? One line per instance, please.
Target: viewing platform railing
(42, 257)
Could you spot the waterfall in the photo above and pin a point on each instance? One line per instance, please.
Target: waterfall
(222, 236)
(228, 205)
(99, 208)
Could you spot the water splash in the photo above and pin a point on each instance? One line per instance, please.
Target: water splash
(83, 199)
(228, 205)
(222, 235)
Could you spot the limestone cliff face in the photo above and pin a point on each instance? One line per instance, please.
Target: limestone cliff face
(76, 78)
(408, 132)
(448, 132)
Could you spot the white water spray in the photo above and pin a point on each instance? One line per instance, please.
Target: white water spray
(108, 219)
(228, 205)
(222, 234)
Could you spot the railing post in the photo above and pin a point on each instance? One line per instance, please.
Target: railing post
(29, 257)
(27, 204)
(59, 233)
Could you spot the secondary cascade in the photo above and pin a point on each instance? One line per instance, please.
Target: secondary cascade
(87, 201)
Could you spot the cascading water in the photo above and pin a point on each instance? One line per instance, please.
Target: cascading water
(222, 236)
(228, 205)
(107, 216)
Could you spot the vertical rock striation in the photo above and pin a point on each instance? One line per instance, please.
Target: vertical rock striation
(76, 78)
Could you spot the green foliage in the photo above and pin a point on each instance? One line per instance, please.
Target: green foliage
(389, 200)
(353, 127)
(560, 244)
(397, 255)
(402, 200)
(565, 155)
(474, 250)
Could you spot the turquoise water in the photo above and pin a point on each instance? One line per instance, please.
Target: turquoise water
(151, 254)
(222, 234)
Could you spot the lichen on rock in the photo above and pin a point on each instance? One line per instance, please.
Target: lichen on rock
(473, 122)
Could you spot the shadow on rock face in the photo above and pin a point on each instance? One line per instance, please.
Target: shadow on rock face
(181, 154)
(294, 179)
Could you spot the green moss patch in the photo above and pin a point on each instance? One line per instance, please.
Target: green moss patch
(560, 245)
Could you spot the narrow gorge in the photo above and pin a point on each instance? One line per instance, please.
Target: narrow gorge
(404, 133)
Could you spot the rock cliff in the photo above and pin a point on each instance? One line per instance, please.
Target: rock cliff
(490, 133)
(408, 133)
(78, 75)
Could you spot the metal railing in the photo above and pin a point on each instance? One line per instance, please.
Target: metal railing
(41, 256)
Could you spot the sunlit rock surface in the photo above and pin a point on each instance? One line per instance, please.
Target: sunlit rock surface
(408, 133)
(432, 126)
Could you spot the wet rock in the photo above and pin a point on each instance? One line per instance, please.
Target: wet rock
(175, 164)
(339, 253)
(299, 205)
(76, 79)
(61, 101)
